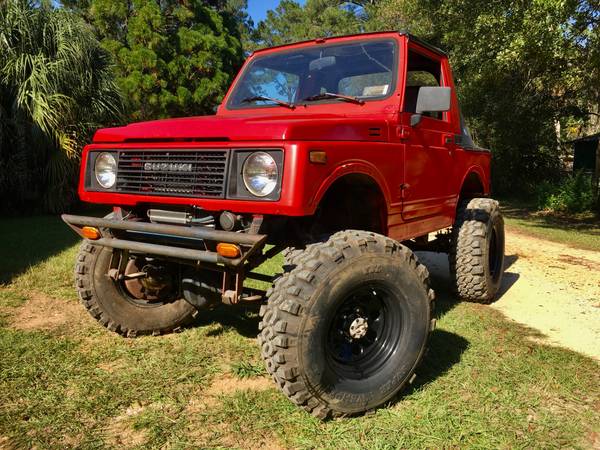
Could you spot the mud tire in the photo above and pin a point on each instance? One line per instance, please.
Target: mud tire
(303, 305)
(476, 256)
(110, 306)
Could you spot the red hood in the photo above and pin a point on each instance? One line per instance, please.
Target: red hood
(245, 128)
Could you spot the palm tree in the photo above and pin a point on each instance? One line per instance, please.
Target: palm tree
(56, 86)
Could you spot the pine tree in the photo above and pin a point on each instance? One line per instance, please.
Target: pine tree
(173, 58)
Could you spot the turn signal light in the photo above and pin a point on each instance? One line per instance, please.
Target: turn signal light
(91, 233)
(228, 250)
(317, 157)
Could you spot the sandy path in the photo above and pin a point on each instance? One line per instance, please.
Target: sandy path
(547, 286)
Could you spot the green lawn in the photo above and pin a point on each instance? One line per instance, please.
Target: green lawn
(67, 382)
(580, 230)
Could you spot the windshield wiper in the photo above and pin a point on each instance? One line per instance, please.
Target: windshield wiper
(258, 98)
(326, 95)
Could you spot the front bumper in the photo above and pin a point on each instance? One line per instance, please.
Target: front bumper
(149, 238)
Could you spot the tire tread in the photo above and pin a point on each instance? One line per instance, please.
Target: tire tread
(84, 286)
(467, 257)
(304, 270)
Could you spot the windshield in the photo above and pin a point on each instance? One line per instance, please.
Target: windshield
(364, 70)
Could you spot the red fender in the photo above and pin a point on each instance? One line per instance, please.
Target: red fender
(350, 168)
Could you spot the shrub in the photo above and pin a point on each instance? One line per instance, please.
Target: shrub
(573, 194)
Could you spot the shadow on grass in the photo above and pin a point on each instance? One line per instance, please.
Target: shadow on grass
(26, 241)
(243, 318)
(592, 230)
(444, 348)
(444, 351)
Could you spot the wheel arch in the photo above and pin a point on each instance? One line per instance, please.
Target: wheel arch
(358, 170)
(356, 181)
(474, 184)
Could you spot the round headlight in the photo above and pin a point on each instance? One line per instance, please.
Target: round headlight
(260, 174)
(106, 170)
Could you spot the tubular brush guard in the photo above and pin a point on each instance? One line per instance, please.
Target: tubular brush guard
(126, 235)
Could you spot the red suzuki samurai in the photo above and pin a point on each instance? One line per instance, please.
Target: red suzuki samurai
(345, 154)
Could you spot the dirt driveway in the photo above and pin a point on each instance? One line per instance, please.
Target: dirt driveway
(547, 286)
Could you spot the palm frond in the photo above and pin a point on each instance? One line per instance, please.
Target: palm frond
(57, 85)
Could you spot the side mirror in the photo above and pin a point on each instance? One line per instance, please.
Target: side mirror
(431, 99)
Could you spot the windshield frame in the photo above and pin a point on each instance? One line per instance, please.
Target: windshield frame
(247, 67)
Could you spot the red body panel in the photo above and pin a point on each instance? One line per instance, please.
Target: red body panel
(419, 170)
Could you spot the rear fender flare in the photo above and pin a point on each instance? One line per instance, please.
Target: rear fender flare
(479, 172)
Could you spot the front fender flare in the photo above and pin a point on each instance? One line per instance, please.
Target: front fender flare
(351, 168)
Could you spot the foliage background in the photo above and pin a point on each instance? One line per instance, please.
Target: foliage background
(528, 73)
(56, 86)
(172, 58)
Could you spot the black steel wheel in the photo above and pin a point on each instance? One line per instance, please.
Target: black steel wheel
(364, 332)
(343, 330)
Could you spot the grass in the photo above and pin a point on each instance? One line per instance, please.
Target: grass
(484, 383)
(579, 230)
(246, 369)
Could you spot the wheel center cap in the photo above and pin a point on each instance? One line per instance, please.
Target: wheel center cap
(358, 328)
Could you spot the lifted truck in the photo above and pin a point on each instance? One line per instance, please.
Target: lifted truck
(343, 153)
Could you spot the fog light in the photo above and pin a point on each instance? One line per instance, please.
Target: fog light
(228, 250)
(91, 233)
(228, 220)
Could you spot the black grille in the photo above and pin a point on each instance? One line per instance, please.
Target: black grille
(183, 173)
